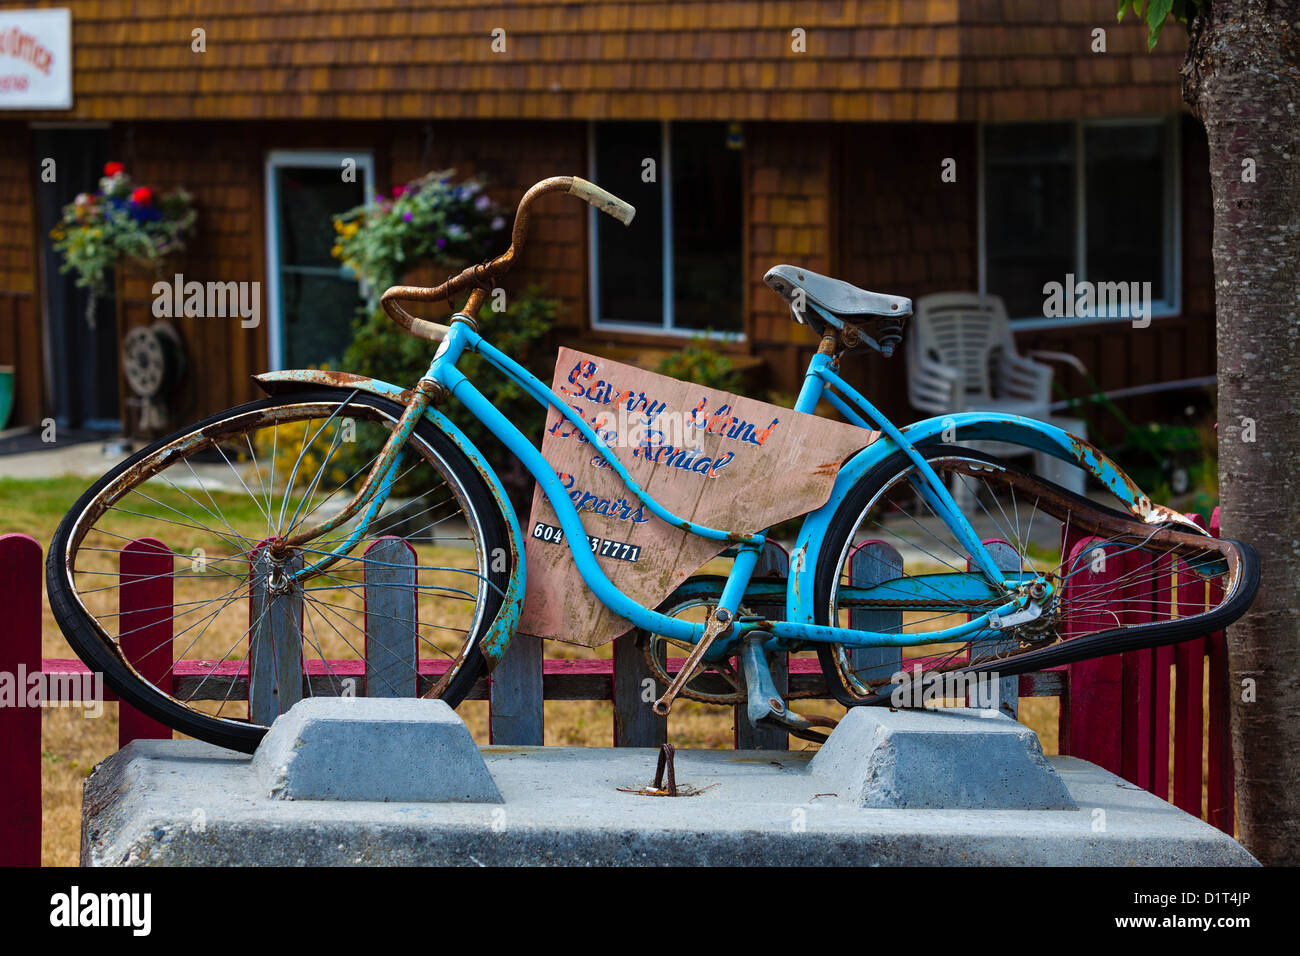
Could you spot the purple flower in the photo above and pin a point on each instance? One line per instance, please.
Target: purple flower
(482, 202)
(441, 242)
(408, 216)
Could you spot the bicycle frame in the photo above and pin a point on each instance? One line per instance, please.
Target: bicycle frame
(822, 380)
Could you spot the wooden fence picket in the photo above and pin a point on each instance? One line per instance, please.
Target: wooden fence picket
(871, 563)
(1220, 781)
(392, 619)
(516, 709)
(20, 725)
(275, 644)
(774, 562)
(1096, 718)
(1189, 662)
(635, 722)
(145, 630)
(1007, 558)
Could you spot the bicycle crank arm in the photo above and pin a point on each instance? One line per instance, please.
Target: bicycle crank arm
(719, 622)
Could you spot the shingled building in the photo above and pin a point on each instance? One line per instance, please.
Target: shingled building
(908, 146)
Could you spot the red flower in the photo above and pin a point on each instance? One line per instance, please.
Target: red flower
(142, 196)
(112, 169)
(399, 191)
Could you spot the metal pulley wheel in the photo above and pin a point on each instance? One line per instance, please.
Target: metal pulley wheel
(153, 360)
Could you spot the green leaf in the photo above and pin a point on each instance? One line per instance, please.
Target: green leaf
(1157, 12)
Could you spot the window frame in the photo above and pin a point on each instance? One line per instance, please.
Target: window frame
(311, 158)
(1172, 304)
(665, 327)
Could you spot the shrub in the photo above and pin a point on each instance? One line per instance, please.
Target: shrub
(700, 364)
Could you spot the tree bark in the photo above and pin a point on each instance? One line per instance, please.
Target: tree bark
(1241, 77)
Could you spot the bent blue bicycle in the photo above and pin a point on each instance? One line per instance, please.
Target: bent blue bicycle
(983, 566)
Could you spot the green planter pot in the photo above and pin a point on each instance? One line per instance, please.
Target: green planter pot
(6, 394)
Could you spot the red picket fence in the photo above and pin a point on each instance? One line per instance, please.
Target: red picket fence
(1114, 711)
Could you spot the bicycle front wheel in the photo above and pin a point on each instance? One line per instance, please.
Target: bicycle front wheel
(171, 547)
(891, 565)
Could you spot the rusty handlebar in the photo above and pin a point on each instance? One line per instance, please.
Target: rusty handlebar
(480, 274)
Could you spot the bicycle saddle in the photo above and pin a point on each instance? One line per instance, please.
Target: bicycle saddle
(877, 317)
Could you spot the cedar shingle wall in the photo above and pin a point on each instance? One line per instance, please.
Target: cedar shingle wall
(224, 169)
(1033, 59)
(903, 230)
(20, 328)
(929, 60)
(511, 157)
(789, 173)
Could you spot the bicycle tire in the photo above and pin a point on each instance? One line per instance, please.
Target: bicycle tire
(101, 653)
(1099, 644)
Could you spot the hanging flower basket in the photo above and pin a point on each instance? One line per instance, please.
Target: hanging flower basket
(120, 223)
(432, 219)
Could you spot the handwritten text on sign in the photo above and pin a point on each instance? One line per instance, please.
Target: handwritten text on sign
(716, 459)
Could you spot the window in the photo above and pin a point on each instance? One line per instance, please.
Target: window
(678, 267)
(312, 298)
(1095, 200)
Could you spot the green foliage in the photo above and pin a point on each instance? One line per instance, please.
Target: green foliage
(1155, 12)
(381, 349)
(429, 220)
(120, 221)
(435, 220)
(700, 364)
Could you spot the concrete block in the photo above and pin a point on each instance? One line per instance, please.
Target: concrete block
(943, 759)
(403, 750)
(185, 803)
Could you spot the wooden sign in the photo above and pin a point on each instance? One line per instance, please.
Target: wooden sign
(716, 459)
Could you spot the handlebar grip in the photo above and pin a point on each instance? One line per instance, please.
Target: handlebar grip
(603, 200)
(421, 328)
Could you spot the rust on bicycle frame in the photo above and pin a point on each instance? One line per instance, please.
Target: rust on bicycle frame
(479, 275)
(415, 408)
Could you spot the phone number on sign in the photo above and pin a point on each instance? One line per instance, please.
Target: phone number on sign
(603, 547)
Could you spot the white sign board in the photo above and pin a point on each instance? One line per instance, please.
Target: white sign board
(36, 59)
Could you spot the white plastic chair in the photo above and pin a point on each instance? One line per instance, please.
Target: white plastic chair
(961, 357)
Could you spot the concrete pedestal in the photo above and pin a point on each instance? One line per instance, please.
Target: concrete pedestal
(188, 803)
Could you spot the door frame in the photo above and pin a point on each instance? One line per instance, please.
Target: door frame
(319, 158)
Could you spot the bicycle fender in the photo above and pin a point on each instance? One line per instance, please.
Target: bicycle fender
(497, 639)
(964, 426)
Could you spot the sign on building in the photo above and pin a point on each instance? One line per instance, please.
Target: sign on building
(36, 59)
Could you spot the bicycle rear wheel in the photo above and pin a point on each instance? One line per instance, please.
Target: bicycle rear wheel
(1120, 584)
(200, 507)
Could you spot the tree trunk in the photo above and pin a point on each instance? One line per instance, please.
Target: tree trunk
(1242, 78)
